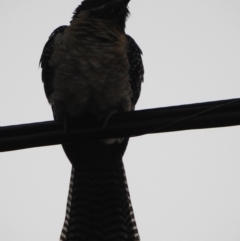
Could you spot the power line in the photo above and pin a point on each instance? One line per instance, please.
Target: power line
(176, 118)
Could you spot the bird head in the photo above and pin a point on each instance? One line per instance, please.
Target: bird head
(114, 10)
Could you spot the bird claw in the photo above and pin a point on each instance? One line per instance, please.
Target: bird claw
(67, 123)
(104, 120)
(106, 117)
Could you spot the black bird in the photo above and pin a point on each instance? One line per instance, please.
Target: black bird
(91, 69)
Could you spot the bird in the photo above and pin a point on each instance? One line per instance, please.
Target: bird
(92, 69)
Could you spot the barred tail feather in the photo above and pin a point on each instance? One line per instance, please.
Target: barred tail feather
(99, 206)
(68, 210)
(131, 220)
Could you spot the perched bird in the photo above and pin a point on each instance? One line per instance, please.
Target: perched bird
(91, 69)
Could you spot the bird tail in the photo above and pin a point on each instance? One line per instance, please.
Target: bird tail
(68, 210)
(99, 206)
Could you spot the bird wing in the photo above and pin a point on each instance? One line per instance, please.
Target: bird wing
(47, 71)
(136, 71)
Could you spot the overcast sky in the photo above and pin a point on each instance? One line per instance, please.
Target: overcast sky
(184, 186)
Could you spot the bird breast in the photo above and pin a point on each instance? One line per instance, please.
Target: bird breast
(91, 68)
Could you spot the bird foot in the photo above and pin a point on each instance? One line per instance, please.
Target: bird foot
(104, 120)
(106, 117)
(67, 124)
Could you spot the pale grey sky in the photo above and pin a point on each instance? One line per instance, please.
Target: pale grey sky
(184, 185)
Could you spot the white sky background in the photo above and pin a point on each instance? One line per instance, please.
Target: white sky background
(185, 186)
